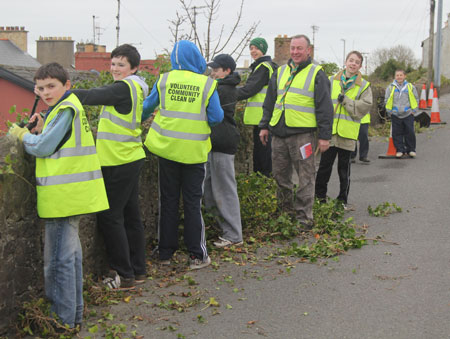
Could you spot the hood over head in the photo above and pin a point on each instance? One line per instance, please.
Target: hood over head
(186, 56)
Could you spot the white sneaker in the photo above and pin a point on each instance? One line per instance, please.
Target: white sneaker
(225, 243)
(196, 264)
(412, 154)
(398, 154)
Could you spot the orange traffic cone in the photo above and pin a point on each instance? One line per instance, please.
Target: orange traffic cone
(430, 95)
(435, 115)
(390, 154)
(423, 98)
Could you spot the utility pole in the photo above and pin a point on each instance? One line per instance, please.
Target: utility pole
(118, 22)
(93, 29)
(343, 59)
(437, 67)
(430, 44)
(314, 29)
(365, 55)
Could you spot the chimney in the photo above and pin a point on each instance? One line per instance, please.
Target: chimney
(55, 49)
(17, 35)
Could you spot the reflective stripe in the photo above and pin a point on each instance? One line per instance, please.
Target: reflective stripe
(364, 82)
(117, 137)
(162, 86)
(76, 121)
(335, 102)
(346, 117)
(302, 91)
(73, 152)
(296, 108)
(263, 90)
(178, 135)
(208, 85)
(182, 115)
(254, 104)
(69, 178)
(281, 75)
(115, 120)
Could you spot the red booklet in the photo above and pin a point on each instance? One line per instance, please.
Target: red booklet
(306, 150)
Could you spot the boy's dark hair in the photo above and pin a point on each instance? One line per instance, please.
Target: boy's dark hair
(400, 70)
(358, 54)
(52, 70)
(129, 52)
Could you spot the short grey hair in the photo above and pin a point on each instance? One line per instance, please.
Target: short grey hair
(299, 36)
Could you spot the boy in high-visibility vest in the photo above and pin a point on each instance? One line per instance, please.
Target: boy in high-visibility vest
(69, 183)
(401, 103)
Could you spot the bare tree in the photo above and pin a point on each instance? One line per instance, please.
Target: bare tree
(201, 30)
(400, 53)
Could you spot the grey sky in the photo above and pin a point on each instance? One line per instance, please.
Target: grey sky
(365, 25)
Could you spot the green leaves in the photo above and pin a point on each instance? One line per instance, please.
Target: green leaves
(384, 209)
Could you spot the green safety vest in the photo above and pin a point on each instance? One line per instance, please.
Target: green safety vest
(412, 99)
(119, 135)
(343, 124)
(180, 130)
(69, 182)
(254, 110)
(298, 104)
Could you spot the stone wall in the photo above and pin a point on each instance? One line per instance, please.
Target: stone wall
(22, 232)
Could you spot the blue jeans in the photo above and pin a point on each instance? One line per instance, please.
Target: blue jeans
(63, 271)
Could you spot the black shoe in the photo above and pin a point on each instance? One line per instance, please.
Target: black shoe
(353, 160)
(364, 160)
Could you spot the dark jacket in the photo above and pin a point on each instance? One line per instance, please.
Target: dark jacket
(323, 108)
(257, 79)
(225, 136)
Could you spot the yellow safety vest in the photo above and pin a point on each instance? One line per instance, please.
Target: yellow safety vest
(254, 110)
(366, 119)
(70, 182)
(180, 130)
(412, 98)
(343, 124)
(298, 104)
(119, 135)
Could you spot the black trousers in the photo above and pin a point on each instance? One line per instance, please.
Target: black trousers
(262, 155)
(187, 179)
(121, 225)
(325, 169)
(403, 134)
(363, 138)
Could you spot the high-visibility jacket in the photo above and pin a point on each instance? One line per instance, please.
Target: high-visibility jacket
(180, 130)
(412, 98)
(298, 104)
(343, 124)
(69, 182)
(119, 135)
(254, 110)
(366, 119)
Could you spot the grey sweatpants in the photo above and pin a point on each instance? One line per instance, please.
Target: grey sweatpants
(285, 156)
(220, 194)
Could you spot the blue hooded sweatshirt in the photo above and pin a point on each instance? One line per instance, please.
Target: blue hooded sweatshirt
(186, 56)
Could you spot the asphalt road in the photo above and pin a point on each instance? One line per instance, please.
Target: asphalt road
(384, 290)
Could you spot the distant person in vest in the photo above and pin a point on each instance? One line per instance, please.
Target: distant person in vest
(401, 103)
(69, 183)
(121, 153)
(180, 137)
(255, 91)
(363, 138)
(221, 197)
(352, 99)
(298, 111)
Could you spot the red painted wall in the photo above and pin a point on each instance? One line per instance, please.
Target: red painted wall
(10, 95)
(85, 61)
